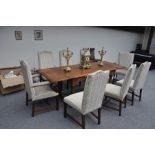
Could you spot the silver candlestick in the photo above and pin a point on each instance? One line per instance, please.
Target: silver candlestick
(102, 52)
(67, 55)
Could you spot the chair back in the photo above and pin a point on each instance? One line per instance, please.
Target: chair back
(94, 91)
(125, 59)
(127, 81)
(27, 77)
(45, 59)
(141, 75)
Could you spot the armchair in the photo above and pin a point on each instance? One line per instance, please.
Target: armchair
(36, 91)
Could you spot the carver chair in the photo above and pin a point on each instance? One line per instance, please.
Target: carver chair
(138, 83)
(119, 93)
(88, 100)
(36, 91)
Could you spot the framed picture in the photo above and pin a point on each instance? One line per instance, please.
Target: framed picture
(18, 35)
(38, 34)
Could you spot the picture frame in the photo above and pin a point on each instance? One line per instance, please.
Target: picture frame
(18, 35)
(38, 34)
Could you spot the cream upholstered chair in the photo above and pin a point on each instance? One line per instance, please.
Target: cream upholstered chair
(45, 60)
(36, 91)
(61, 59)
(126, 60)
(90, 99)
(138, 83)
(119, 93)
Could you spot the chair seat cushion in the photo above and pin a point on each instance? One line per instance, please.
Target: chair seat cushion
(120, 82)
(75, 100)
(113, 91)
(42, 92)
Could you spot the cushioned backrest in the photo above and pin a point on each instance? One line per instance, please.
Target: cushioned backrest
(94, 91)
(127, 81)
(27, 77)
(45, 59)
(125, 59)
(141, 75)
(62, 61)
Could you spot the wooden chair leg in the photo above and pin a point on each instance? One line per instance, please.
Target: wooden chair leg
(27, 98)
(105, 98)
(132, 100)
(120, 108)
(99, 116)
(67, 84)
(83, 121)
(125, 100)
(140, 95)
(65, 110)
(33, 108)
(57, 103)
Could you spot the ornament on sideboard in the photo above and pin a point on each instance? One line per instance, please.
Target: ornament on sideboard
(102, 52)
(85, 58)
(67, 54)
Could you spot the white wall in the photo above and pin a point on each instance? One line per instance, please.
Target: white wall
(57, 38)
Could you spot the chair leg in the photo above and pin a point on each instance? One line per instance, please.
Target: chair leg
(27, 98)
(67, 84)
(99, 116)
(83, 121)
(125, 100)
(105, 98)
(57, 103)
(65, 110)
(140, 95)
(132, 101)
(33, 108)
(120, 108)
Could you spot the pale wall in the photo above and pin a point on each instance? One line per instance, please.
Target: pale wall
(57, 38)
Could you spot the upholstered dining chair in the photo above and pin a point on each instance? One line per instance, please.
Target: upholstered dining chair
(45, 60)
(61, 59)
(138, 83)
(90, 99)
(126, 60)
(36, 91)
(119, 93)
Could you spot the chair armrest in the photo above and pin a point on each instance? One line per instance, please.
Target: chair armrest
(35, 75)
(40, 84)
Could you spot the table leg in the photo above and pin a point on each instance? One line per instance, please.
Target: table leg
(60, 89)
(75, 83)
(72, 86)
